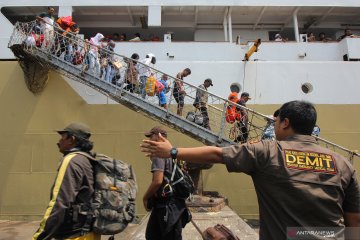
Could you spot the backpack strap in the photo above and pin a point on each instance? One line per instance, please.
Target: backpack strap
(114, 173)
(176, 167)
(80, 208)
(197, 228)
(166, 188)
(85, 154)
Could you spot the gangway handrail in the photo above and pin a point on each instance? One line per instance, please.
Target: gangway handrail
(48, 54)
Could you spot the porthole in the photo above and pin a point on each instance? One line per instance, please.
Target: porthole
(307, 88)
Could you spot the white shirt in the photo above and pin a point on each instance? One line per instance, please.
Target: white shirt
(48, 24)
(143, 69)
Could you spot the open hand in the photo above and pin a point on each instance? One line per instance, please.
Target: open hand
(159, 148)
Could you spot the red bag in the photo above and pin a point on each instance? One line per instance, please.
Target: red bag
(230, 115)
(219, 232)
(39, 39)
(159, 87)
(78, 58)
(67, 20)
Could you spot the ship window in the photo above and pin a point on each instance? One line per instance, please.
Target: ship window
(307, 88)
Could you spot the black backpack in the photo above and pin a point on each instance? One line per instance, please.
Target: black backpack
(179, 184)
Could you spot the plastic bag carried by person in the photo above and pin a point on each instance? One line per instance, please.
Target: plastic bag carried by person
(117, 64)
(150, 86)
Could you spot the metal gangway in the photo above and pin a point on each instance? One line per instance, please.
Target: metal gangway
(82, 61)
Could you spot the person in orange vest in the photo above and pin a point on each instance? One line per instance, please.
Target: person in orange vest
(67, 25)
(232, 113)
(64, 40)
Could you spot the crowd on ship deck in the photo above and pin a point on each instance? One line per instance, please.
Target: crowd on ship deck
(97, 52)
(310, 37)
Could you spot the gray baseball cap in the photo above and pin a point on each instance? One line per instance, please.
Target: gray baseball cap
(77, 129)
(156, 130)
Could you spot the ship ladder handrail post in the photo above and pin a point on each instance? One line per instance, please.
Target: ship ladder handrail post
(170, 100)
(13, 33)
(222, 126)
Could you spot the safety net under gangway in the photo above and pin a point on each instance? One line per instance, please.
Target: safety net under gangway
(82, 61)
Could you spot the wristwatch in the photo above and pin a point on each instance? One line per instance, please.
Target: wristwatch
(173, 152)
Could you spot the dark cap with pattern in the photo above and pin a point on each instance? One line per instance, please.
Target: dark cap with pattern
(156, 130)
(245, 94)
(209, 81)
(77, 129)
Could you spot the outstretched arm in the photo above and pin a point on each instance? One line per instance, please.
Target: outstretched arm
(207, 154)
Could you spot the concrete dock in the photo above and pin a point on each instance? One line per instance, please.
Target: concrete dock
(206, 212)
(16, 230)
(204, 220)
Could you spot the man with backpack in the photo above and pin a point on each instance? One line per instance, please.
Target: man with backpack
(74, 185)
(201, 101)
(168, 212)
(179, 90)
